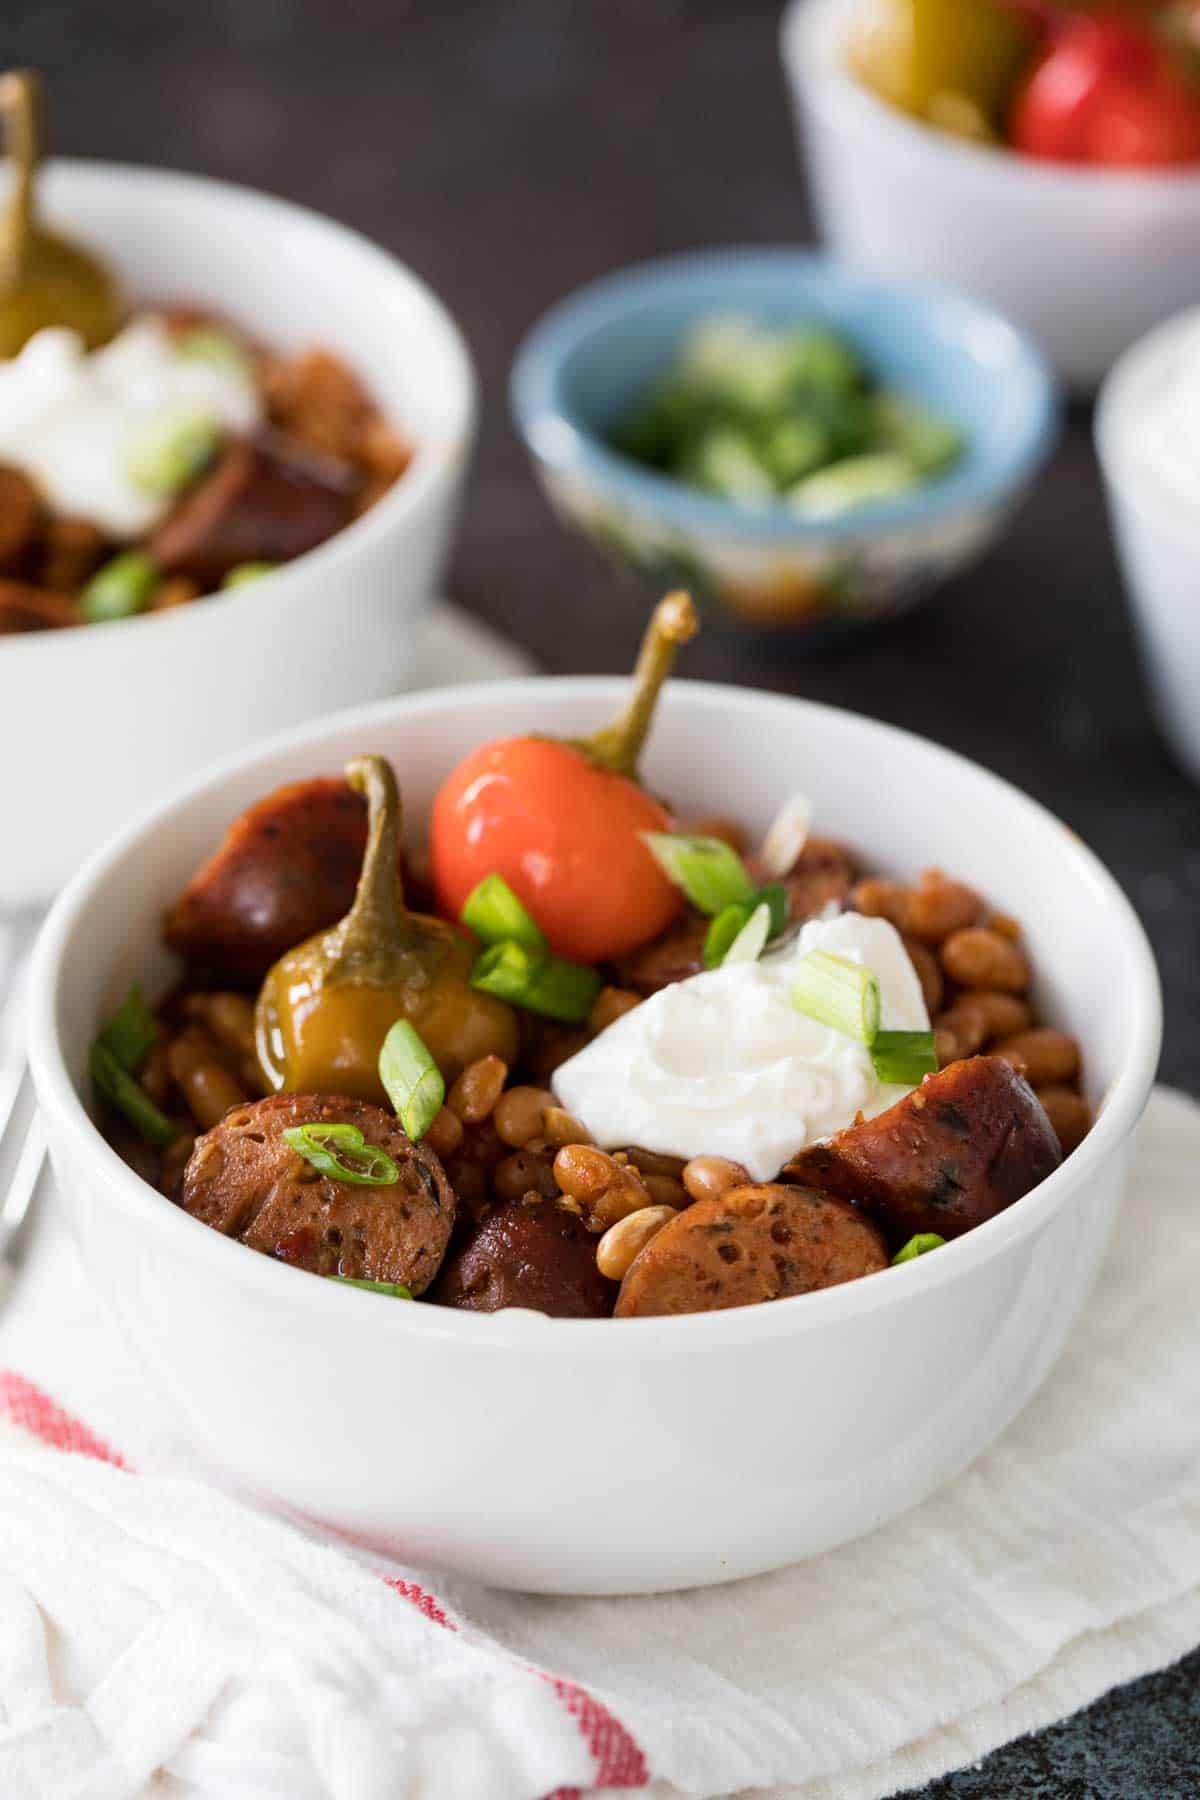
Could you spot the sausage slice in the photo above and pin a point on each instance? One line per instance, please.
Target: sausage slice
(287, 868)
(256, 506)
(823, 872)
(530, 1253)
(246, 1182)
(753, 1243)
(960, 1148)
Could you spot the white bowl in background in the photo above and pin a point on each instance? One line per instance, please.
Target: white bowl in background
(605, 1456)
(1086, 259)
(1157, 532)
(98, 722)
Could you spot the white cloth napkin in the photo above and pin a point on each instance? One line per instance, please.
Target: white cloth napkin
(159, 1636)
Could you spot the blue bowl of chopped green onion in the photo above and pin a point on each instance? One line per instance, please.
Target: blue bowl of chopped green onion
(801, 444)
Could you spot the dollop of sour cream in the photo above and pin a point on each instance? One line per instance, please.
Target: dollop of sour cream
(70, 419)
(724, 1065)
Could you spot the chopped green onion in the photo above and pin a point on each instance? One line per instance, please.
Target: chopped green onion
(121, 588)
(549, 985)
(131, 1033)
(711, 874)
(121, 1091)
(723, 930)
(839, 993)
(775, 899)
(413, 1080)
(396, 1289)
(751, 940)
(855, 481)
(171, 451)
(918, 1246)
(343, 1153)
(493, 912)
(904, 1057)
(248, 571)
(205, 343)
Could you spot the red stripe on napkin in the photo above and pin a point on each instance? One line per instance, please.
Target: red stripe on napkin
(618, 1758)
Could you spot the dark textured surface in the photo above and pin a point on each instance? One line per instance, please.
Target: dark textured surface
(513, 151)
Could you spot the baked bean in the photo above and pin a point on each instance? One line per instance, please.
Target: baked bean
(666, 1190)
(945, 1046)
(628, 1238)
(1068, 1112)
(201, 1077)
(155, 1075)
(1048, 1055)
(654, 1162)
(230, 1018)
(967, 1023)
(605, 1188)
(708, 1177)
(929, 974)
(72, 548)
(529, 1170)
(1005, 1013)
(445, 1134)
(880, 899)
(611, 1004)
(978, 958)
(1005, 926)
(936, 906)
(477, 1089)
(559, 1126)
(172, 591)
(518, 1114)
(20, 511)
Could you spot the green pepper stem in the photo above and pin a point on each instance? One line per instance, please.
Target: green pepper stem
(673, 623)
(20, 101)
(378, 915)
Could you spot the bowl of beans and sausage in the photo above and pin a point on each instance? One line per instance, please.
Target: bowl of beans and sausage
(223, 511)
(616, 1167)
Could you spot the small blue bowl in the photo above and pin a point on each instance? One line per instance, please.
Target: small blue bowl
(590, 358)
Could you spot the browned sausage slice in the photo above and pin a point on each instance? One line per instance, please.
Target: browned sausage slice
(246, 1182)
(823, 872)
(963, 1146)
(27, 608)
(530, 1253)
(753, 1243)
(286, 868)
(20, 513)
(256, 506)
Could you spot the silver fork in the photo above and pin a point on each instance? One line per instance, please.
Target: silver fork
(22, 1137)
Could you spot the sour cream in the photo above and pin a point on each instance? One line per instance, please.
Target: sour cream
(723, 1064)
(70, 418)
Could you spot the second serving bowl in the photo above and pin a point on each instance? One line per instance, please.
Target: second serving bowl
(604, 1456)
(99, 721)
(592, 356)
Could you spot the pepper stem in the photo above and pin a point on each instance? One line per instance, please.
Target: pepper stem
(20, 102)
(673, 623)
(377, 915)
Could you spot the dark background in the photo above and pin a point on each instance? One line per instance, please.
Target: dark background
(512, 151)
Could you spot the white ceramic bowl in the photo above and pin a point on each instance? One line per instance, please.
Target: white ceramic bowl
(99, 722)
(1157, 533)
(1085, 259)
(601, 1456)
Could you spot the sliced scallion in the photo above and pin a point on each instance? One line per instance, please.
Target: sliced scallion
(413, 1080)
(121, 1091)
(493, 912)
(838, 993)
(120, 588)
(723, 930)
(343, 1153)
(751, 940)
(205, 343)
(248, 571)
(130, 1034)
(775, 899)
(550, 985)
(709, 871)
(918, 1246)
(396, 1289)
(171, 451)
(904, 1057)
